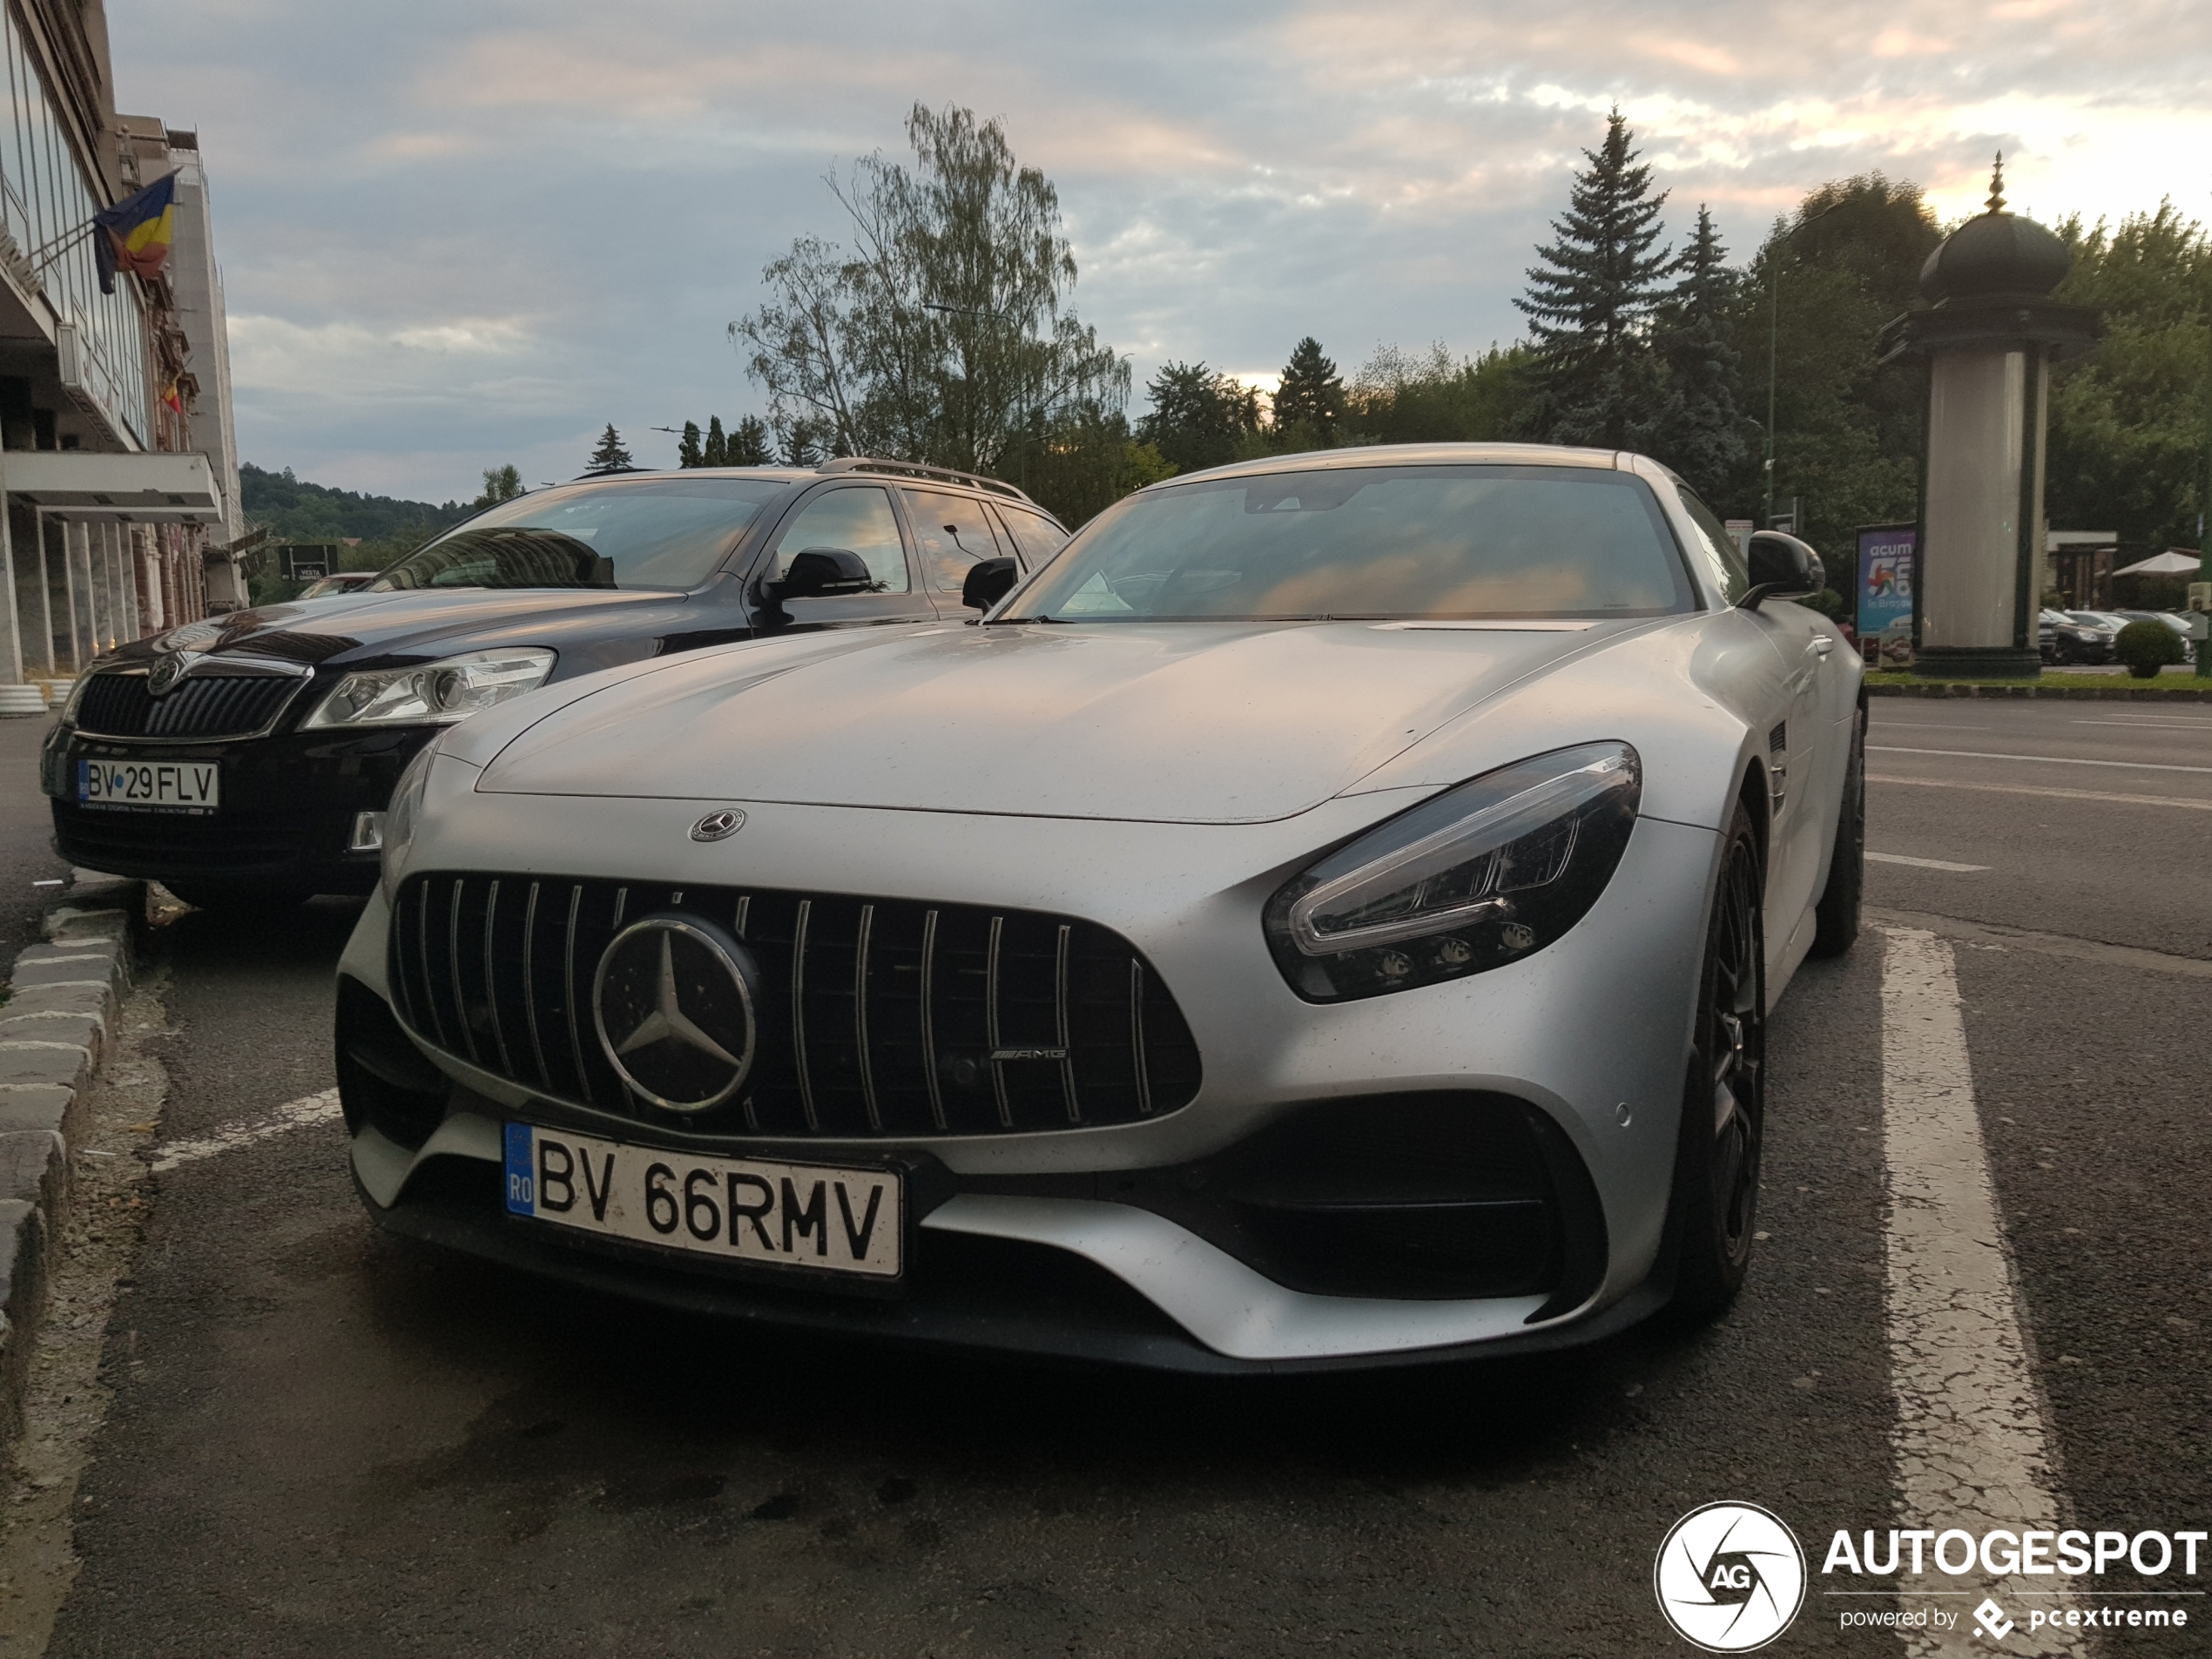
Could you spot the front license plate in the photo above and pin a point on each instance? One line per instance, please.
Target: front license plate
(828, 1218)
(151, 786)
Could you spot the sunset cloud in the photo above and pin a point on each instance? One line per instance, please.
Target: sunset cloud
(459, 233)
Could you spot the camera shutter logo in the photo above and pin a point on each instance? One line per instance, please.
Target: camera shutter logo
(1729, 1577)
(673, 1001)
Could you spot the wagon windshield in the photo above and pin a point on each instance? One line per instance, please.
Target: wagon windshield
(1381, 542)
(649, 533)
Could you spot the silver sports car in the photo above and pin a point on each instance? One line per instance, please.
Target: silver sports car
(1327, 915)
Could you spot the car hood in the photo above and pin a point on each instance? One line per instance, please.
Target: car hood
(1182, 723)
(370, 624)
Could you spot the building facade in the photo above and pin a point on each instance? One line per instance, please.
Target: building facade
(117, 463)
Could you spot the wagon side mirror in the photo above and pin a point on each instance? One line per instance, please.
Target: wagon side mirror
(1782, 567)
(987, 582)
(822, 573)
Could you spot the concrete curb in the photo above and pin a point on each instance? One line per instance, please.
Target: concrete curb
(66, 995)
(2121, 693)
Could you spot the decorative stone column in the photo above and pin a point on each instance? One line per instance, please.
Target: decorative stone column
(1989, 335)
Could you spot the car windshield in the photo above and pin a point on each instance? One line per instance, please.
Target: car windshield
(650, 533)
(1385, 543)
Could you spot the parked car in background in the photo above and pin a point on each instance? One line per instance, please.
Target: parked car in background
(247, 759)
(2073, 636)
(337, 583)
(2180, 625)
(1329, 915)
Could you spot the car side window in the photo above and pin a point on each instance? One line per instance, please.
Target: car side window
(859, 519)
(952, 534)
(1721, 551)
(1035, 537)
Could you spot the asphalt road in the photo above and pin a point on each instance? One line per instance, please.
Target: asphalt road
(324, 1442)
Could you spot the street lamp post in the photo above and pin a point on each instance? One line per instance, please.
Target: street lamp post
(1773, 340)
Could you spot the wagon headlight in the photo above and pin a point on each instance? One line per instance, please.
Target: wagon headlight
(402, 815)
(1472, 878)
(433, 693)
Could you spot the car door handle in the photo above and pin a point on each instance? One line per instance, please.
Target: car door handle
(1823, 642)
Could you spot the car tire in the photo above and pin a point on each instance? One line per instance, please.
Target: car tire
(239, 897)
(2063, 656)
(1718, 1150)
(1837, 914)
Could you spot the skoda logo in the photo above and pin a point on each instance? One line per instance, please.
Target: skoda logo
(169, 669)
(673, 1003)
(719, 826)
(1729, 1577)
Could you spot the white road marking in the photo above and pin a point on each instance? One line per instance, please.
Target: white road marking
(298, 1114)
(1971, 1448)
(2154, 726)
(1925, 864)
(2048, 793)
(2048, 760)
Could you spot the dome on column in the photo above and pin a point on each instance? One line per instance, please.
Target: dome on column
(1997, 255)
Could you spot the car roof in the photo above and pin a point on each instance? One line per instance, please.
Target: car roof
(1415, 455)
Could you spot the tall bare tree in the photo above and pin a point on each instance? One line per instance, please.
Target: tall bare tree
(943, 333)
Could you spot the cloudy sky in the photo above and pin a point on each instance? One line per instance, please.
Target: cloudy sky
(460, 232)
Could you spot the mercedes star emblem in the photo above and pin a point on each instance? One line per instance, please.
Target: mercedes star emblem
(719, 826)
(673, 1003)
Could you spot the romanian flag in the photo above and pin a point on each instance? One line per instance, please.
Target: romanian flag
(134, 235)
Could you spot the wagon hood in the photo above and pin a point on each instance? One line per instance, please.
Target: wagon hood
(368, 626)
(1183, 722)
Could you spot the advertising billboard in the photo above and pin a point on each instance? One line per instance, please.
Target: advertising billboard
(1888, 570)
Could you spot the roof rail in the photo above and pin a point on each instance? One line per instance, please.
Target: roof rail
(916, 469)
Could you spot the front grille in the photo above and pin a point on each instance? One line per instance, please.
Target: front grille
(105, 839)
(202, 705)
(877, 1017)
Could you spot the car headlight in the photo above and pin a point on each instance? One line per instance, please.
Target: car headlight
(1477, 877)
(400, 817)
(433, 693)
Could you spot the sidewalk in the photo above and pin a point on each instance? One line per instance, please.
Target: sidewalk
(65, 962)
(26, 834)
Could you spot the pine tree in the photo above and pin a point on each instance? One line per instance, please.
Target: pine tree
(716, 452)
(800, 447)
(1589, 304)
(1310, 397)
(688, 452)
(1700, 429)
(610, 456)
(1198, 418)
(749, 444)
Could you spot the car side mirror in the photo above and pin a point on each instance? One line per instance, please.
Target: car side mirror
(822, 573)
(987, 582)
(1782, 567)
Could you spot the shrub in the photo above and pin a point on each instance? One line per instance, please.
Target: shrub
(2145, 647)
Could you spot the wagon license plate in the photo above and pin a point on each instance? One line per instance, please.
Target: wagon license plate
(151, 786)
(828, 1218)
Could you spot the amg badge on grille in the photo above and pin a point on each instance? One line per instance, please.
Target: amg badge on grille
(719, 826)
(673, 1001)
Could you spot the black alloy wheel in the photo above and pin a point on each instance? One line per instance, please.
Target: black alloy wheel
(2063, 653)
(1716, 1160)
(1837, 914)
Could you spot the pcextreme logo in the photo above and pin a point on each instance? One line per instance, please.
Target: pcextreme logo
(1729, 1577)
